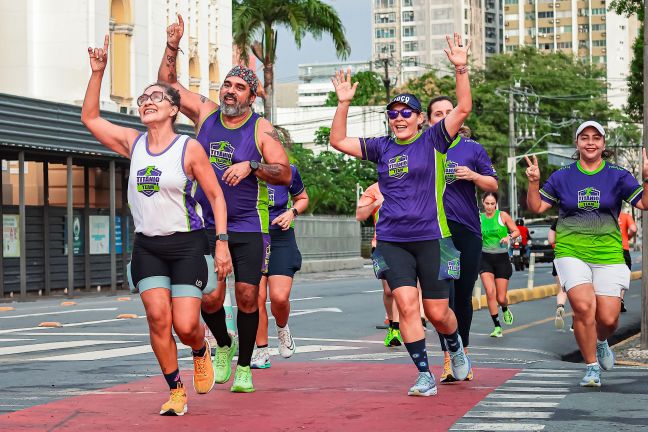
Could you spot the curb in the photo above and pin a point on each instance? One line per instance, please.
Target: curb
(520, 295)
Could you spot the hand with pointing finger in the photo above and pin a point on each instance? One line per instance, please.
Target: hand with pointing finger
(175, 32)
(99, 56)
(533, 172)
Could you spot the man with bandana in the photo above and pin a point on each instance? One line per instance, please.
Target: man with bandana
(245, 152)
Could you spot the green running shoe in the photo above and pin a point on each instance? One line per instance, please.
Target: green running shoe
(497, 332)
(389, 336)
(242, 380)
(223, 361)
(397, 340)
(508, 317)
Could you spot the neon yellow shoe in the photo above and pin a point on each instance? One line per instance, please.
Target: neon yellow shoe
(242, 380)
(497, 332)
(508, 317)
(177, 403)
(223, 361)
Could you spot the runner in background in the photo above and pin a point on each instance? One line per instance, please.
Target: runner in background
(561, 297)
(628, 230)
(369, 205)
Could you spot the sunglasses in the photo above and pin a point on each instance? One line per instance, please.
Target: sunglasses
(155, 97)
(405, 113)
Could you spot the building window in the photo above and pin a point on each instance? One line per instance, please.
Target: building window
(384, 3)
(545, 30)
(598, 59)
(385, 48)
(408, 16)
(407, 3)
(598, 43)
(410, 61)
(565, 29)
(385, 33)
(547, 14)
(511, 17)
(598, 27)
(598, 11)
(385, 18)
(443, 29)
(409, 31)
(410, 46)
(442, 14)
(511, 2)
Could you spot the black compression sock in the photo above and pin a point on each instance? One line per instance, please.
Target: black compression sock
(247, 324)
(262, 346)
(216, 323)
(452, 341)
(395, 325)
(200, 352)
(173, 379)
(418, 353)
(391, 323)
(496, 320)
(504, 308)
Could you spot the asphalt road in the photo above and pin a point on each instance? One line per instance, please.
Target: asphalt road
(334, 318)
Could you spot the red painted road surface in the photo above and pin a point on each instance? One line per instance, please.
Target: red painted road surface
(290, 396)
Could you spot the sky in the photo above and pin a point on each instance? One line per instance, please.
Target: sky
(356, 18)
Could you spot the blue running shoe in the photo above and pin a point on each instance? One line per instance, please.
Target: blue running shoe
(592, 377)
(459, 362)
(604, 355)
(425, 385)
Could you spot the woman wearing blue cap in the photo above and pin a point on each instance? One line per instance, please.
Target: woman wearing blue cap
(412, 231)
(589, 255)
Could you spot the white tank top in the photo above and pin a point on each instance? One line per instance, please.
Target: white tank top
(160, 195)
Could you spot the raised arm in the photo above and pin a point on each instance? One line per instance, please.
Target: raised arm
(195, 106)
(117, 138)
(345, 92)
(643, 203)
(534, 202)
(197, 165)
(458, 55)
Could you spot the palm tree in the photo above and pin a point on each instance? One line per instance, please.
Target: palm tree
(257, 19)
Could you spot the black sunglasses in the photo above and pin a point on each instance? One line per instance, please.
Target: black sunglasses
(155, 97)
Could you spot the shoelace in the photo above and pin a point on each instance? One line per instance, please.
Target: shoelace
(602, 351)
(284, 337)
(242, 375)
(591, 370)
(199, 365)
(458, 358)
(423, 380)
(177, 395)
(221, 357)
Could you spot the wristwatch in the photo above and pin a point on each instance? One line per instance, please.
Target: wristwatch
(254, 165)
(222, 237)
(294, 210)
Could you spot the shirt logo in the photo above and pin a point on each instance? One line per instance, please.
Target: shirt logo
(454, 268)
(148, 180)
(220, 154)
(398, 166)
(271, 192)
(451, 172)
(589, 199)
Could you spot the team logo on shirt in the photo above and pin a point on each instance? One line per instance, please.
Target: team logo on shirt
(148, 180)
(398, 166)
(220, 154)
(451, 172)
(271, 196)
(454, 268)
(589, 199)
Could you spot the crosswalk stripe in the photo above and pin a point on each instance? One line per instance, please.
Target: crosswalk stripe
(23, 349)
(509, 389)
(523, 396)
(548, 375)
(100, 355)
(507, 404)
(509, 414)
(534, 382)
(497, 427)
(59, 312)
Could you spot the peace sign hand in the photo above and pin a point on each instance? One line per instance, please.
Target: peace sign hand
(343, 87)
(175, 32)
(98, 56)
(532, 172)
(457, 53)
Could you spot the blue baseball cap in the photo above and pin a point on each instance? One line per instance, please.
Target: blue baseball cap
(408, 99)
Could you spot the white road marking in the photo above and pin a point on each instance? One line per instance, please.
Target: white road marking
(548, 375)
(103, 354)
(372, 291)
(304, 350)
(292, 300)
(22, 349)
(519, 396)
(15, 340)
(533, 389)
(83, 334)
(534, 382)
(59, 313)
(509, 414)
(17, 330)
(506, 404)
(368, 356)
(497, 427)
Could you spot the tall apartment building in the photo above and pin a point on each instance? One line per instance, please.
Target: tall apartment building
(583, 28)
(412, 33)
(45, 46)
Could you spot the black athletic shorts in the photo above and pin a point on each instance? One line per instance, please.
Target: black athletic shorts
(179, 262)
(409, 262)
(627, 258)
(250, 253)
(499, 264)
(554, 273)
(285, 260)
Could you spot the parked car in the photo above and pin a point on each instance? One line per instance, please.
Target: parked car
(539, 242)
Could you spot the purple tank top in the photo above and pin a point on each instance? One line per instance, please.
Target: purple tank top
(247, 202)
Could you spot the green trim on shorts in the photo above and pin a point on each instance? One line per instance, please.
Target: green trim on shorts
(179, 290)
(154, 282)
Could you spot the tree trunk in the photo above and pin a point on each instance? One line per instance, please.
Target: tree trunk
(268, 87)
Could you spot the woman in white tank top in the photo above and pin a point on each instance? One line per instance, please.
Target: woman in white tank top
(168, 262)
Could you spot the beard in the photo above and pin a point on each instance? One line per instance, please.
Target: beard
(233, 110)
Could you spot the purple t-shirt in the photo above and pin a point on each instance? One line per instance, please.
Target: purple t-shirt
(280, 197)
(460, 197)
(589, 204)
(410, 177)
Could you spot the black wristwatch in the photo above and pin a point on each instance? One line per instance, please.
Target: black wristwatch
(254, 165)
(222, 237)
(294, 210)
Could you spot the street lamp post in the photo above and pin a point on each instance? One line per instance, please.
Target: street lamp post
(512, 170)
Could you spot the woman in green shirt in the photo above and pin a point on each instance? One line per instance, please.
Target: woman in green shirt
(497, 231)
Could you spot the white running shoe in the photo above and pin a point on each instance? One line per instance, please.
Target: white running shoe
(286, 342)
(604, 355)
(559, 321)
(260, 358)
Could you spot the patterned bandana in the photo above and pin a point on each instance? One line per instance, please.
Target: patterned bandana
(246, 75)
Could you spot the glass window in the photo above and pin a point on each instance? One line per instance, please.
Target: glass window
(598, 27)
(442, 14)
(384, 3)
(409, 31)
(384, 18)
(545, 14)
(407, 3)
(410, 46)
(408, 16)
(598, 43)
(385, 33)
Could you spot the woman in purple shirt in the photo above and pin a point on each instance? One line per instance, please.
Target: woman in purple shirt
(412, 231)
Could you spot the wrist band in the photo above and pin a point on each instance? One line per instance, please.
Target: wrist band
(176, 49)
(461, 69)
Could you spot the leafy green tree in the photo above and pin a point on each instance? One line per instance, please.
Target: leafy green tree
(371, 91)
(254, 25)
(323, 136)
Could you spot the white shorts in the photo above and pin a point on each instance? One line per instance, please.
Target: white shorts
(608, 279)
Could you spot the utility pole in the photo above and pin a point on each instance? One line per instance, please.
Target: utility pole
(644, 217)
(386, 80)
(512, 141)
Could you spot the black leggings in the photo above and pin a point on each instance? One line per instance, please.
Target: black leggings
(470, 246)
